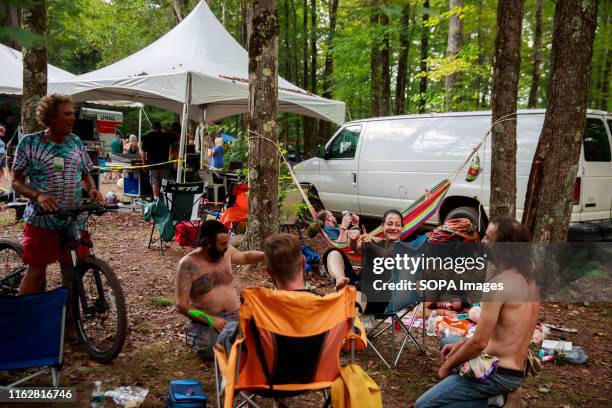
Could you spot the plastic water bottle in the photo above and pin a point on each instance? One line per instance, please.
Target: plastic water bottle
(560, 350)
(97, 396)
(431, 324)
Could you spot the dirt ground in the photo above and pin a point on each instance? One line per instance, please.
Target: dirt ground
(155, 351)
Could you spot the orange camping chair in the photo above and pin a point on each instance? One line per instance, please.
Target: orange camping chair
(289, 343)
(237, 206)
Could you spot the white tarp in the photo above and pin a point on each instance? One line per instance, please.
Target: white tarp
(11, 72)
(199, 63)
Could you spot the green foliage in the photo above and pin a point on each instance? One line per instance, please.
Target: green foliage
(84, 35)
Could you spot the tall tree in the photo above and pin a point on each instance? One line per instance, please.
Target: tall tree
(309, 140)
(480, 61)
(536, 56)
(34, 66)
(402, 63)
(506, 71)
(375, 62)
(385, 62)
(178, 6)
(455, 42)
(12, 18)
(263, 123)
(328, 70)
(548, 203)
(423, 58)
(313, 46)
(605, 77)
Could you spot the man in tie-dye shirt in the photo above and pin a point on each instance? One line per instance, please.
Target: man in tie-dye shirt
(50, 168)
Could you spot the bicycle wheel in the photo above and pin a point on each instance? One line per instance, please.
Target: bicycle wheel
(99, 311)
(12, 267)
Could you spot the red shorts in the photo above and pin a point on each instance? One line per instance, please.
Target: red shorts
(42, 246)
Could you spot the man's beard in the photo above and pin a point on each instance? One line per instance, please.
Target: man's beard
(215, 253)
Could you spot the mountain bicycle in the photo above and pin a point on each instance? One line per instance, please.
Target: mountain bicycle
(97, 300)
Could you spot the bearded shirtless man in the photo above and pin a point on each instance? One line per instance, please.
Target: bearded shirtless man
(205, 283)
(504, 330)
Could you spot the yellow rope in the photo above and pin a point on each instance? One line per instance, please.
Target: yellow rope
(121, 167)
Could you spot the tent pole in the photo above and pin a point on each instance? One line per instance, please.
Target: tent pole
(203, 151)
(140, 125)
(184, 123)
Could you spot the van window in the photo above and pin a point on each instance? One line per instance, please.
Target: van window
(596, 144)
(344, 145)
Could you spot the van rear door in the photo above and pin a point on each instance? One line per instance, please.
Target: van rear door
(337, 187)
(596, 172)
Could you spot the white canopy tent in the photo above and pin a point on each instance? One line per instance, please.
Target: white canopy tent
(196, 69)
(11, 72)
(11, 79)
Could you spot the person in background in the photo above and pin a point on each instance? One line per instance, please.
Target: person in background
(117, 145)
(155, 151)
(51, 168)
(132, 146)
(215, 154)
(337, 232)
(3, 153)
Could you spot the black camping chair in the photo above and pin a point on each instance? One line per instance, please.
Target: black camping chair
(183, 201)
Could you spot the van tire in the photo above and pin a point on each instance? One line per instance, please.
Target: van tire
(471, 214)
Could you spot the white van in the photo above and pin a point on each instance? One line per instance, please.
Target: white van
(371, 165)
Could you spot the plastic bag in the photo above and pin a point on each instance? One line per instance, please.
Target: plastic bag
(130, 396)
(448, 324)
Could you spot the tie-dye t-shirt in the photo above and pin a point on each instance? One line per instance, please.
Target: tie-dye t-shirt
(53, 169)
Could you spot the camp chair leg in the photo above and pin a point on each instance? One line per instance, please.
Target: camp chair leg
(55, 377)
(151, 236)
(29, 377)
(217, 383)
(370, 344)
(247, 400)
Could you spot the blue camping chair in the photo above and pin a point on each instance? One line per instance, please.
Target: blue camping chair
(33, 333)
(390, 314)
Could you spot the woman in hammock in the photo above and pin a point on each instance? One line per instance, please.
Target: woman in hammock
(338, 264)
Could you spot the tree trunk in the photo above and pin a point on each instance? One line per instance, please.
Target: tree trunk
(424, 50)
(402, 64)
(455, 42)
(178, 13)
(385, 57)
(13, 18)
(605, 83)
(537, 57)
(34, 66)
(313, 46)
(328, 71)
(375, 69)
(548, 203)
(244, 41)
(309, 140)
(263, 122)
(224, 13)
(506, 71)
(480, 61)
(312, 123)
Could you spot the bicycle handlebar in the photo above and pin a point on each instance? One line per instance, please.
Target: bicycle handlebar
(73, 212)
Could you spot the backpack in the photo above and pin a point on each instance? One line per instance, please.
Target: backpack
(312, 258)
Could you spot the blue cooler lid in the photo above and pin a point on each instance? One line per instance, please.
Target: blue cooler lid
(187, 390)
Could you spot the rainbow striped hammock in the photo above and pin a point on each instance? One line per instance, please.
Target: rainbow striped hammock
(414, 216)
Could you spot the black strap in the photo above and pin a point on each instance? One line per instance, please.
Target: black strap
(260, 354)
